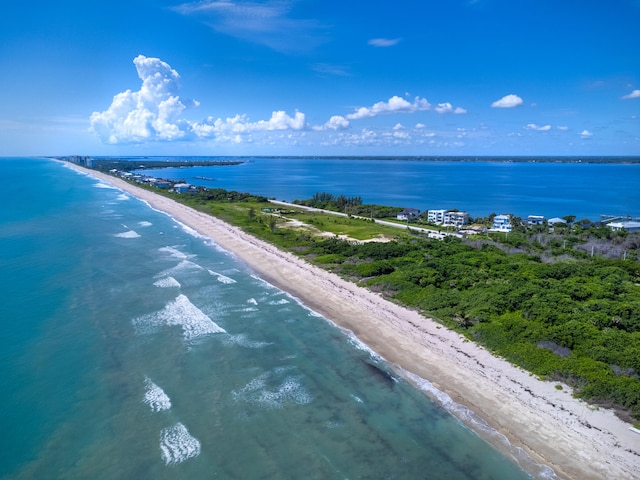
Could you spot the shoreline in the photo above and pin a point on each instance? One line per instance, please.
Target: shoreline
(553, 428)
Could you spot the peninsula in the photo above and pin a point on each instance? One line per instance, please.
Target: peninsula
(554, 428)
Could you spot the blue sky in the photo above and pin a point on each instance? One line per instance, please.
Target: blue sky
(306, 77)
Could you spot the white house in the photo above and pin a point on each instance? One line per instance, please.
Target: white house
(456, 219)
(501, 223)
(535, 220)
(408, 213)
(628, 226)
(554, 220)
(435, 216)
(181, 187)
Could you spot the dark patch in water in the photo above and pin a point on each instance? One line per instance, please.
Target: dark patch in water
(381, 372)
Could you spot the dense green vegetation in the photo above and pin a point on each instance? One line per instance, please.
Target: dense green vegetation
(544, 301)
(576, 321)
(349, 205)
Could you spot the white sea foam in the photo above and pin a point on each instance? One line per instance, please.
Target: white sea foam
(105, 185)
(174, 252)
(166, 282)
(123, 196)
(184, 267)
(222, 278)
(252, 301)
(177, 444)
(128, 234)
(155, 397)
(144, 223)
(258, 391)
(242, 341)
(282, 301)
(353, 340)
(356, 398)
(180, 312)
(191, 231)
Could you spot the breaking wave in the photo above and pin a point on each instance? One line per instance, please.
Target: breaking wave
(128, 234)
(222, 278)
(174, 252)
(180, 312)
(262, 391)
(166, 282)
(177, 444)
(105, 185)
(155, 397)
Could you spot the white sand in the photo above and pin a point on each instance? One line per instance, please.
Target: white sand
(552, 427)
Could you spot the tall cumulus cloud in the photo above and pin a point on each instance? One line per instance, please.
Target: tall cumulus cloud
(152, 113)
(155, 112)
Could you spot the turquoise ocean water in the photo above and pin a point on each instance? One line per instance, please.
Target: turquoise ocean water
(130, 347)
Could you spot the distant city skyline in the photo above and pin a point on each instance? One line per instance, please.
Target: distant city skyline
(293, 77)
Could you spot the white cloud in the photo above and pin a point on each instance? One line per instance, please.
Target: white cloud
(281, 121)
(394, 105)
(268, 23)
(562, 128)
(152, 113)
(240, 124)
(155, 113)
(586, 134)
(384, 42)
(336, 122)
(508, 101)
(448, 108)
(401, 135)
(633, 94)
(539, 128)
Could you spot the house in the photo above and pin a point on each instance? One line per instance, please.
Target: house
(628, 226)
(181, 187)
(163, 184)
(456, 219)
(408, 214)
(436, 216)
(501, 223)
(554, 220)
(535, 220)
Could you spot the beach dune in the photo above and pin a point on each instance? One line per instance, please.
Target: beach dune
(576, 440)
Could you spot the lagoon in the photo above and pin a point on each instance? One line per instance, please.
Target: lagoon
(543, 187)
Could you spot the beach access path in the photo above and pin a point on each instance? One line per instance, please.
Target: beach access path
(577, 440)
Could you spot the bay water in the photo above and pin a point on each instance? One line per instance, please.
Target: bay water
(543, 186)
(132, 347)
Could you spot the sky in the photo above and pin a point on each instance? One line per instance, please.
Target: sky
(307, 77)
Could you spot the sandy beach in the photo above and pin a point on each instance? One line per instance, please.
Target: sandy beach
(577, 440)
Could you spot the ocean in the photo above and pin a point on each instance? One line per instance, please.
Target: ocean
(132, 347)
(541, 186)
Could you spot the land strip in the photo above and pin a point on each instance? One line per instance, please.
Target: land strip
(551, 426)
